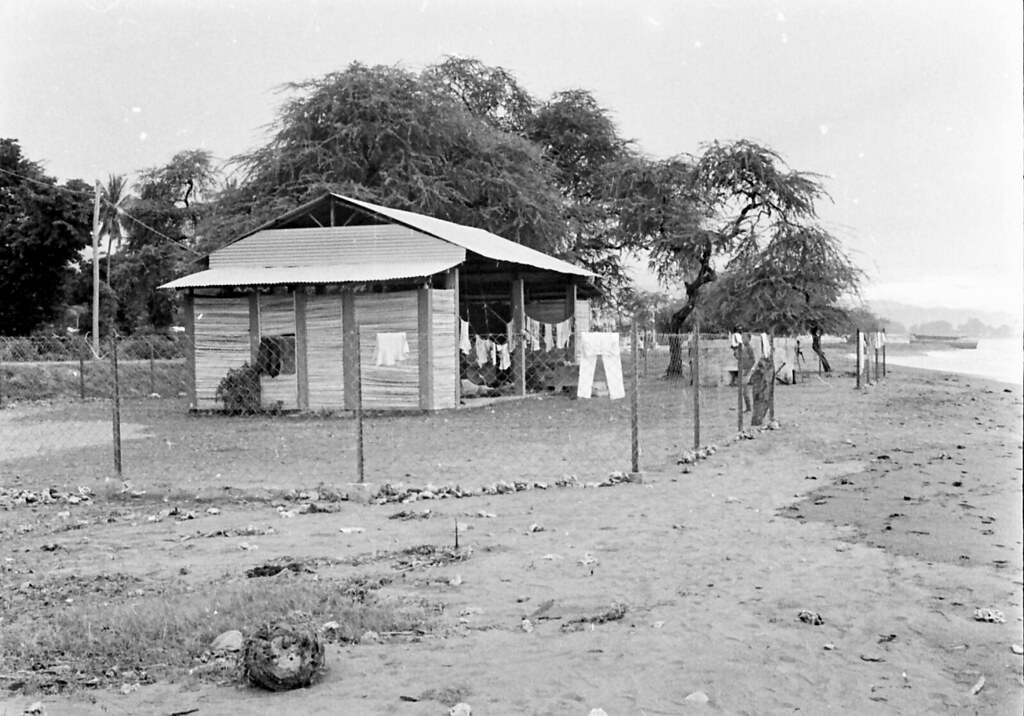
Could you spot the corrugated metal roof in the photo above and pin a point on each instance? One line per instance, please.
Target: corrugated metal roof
(476, 240)
(375, 243)
(277, 275)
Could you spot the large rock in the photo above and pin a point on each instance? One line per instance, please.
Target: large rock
(285, 654)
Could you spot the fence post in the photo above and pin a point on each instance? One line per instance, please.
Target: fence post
(152, 368)
(739, 389)
(1, 380)
(635, 404)
(771, 382)
(883, 360)
(359, 407)
(695, 373)
(82, 348)
(116, 404)
(857, 351)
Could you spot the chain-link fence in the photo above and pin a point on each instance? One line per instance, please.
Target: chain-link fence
(71, 417)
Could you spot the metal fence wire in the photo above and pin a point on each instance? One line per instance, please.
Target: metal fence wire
(66, 420)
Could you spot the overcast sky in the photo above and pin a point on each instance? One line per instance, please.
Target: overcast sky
(911, 108)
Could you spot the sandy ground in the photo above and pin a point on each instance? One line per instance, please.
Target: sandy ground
(893, 512)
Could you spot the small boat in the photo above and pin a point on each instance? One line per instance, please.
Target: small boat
(952, 341)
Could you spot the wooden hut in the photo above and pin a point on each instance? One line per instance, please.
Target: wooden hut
(310, 282)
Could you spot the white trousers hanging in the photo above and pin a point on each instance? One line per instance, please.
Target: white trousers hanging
(603, 346)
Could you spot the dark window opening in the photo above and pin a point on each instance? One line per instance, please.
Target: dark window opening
(276, 355)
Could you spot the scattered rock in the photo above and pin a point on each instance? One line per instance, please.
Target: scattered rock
(527, 626)
(978, 686)
(369, 637)
(36, 708)
(231, 640)
(992, 616)
(461, 709)
(809, 617)
(597, 712)
(697, 697)
(535, 528)
(351, 530)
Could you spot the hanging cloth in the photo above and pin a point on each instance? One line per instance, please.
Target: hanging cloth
(504, 357)
(563, 331)
(603, 347)
(533, 333)
(465, 345)
(549, 336)
(484, 350)
(392, 348)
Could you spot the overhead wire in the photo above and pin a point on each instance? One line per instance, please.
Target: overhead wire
(119, 209)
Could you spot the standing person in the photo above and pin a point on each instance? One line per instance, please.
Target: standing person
(816, 347)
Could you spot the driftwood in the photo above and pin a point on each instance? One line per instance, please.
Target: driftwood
(285, 654)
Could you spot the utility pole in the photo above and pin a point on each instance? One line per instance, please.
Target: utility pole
(96, 272)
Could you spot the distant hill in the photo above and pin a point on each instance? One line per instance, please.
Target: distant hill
(910, 315)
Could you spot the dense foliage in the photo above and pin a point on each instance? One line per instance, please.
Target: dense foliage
(734, 226)
(43, 226)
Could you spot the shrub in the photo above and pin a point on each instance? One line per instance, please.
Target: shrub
(239, 390)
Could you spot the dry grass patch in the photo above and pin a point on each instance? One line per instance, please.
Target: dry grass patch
(99, 638)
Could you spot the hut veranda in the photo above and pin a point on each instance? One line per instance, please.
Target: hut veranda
(423, 304)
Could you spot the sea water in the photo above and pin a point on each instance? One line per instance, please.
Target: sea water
(1000, 359)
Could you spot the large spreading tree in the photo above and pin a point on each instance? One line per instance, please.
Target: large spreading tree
(738, 210)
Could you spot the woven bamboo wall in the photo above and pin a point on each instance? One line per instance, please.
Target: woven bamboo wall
(388, 387)
(324, 350)
(221, 344)
(445, 369)
(277, 318)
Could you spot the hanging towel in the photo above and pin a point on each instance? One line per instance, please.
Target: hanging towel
(766, 346)
(484, 350)
(533, 331)
(465, 345)
(504, 357)
(391, 348)
(563, 331)
(549, 336)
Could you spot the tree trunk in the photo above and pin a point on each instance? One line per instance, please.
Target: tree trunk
(760, 387)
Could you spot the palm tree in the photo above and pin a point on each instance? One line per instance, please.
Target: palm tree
(115, 194)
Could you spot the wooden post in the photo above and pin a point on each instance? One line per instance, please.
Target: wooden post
(116, 402)
(857, 350)
(350, 348)
(152, 367)
(695, 372)
(254, 327)
(883, 360)
(570, 310)
(634, 412)
(96, 273)
(771, 384)
(739, 388)
(518, 326)
(360, 462)
(425, 328)
(301, 348)
(81, 371)
(190, 350)
(453, 283)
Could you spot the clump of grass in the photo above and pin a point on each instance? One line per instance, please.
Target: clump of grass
(164, 634)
